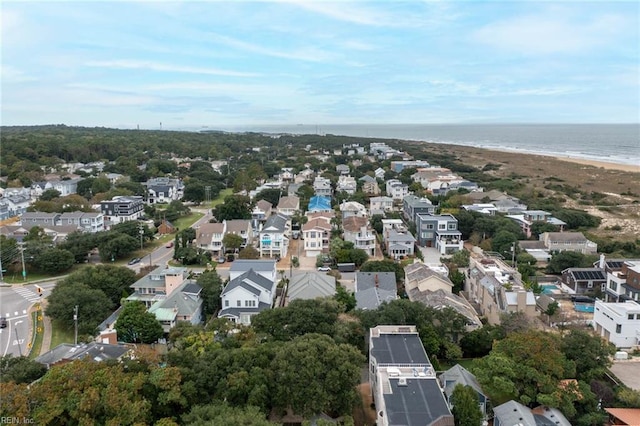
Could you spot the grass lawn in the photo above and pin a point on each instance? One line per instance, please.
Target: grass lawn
(60, 334)
(466, 363)
(186, 221)
(38, 329)
(220, 199)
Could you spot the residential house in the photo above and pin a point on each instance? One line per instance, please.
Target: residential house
(527, 218)
(435, 179)
(322, 187)
(380, 205)
(618, 323)
(568, 241)
(464, 184)
(306, 175)
(370, 185)
(584, 280)
(311, 285)
(319, 204)
(39, 219)
(288, 205)
(398, 166)
(374, 288)
(261, 212)
(157, 285)
(440, 299)
(274, 236)
(420, 276)
(343, 169)
(484, 208)
(412, 206)
(182, 304)
(403, 381)
(497, 289)
(316, 235)
(251, 289)
(209, 237)
(270, 185)
(509, 205)
(347, 184)
(382, 151)
(166, 228)
(163, 190)
(396, 189)
(458, 375)
(352, 208)
(623, 279)
(379, 173)
(91, 222)
(512, 413)
(536, 249)
(63, 186)
(623, 416)
(357, 231)
(55, 232)
(115, 178)
(93, 351)
(14, 205)
(122, 209)
(439, 231)
(399, 244)
(286, 174)
(241, 227)
(292, 189)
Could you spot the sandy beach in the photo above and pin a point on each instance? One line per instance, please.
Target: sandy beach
(602, 164)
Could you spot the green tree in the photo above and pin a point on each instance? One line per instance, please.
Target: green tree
(222, 413)
(591, 354)
(93, 306)
(80, 244)
(20, 369)
(383, 266)
(136, 325)
(300, 317)
(54, 260)
(567, 259)
(232, 241)
(270, 195)
(194, 191)
(234, 207)
(466, 411)
(118, 246)
(503, 243)
(346, 298)
(114, 281)
(211, 289)
(249, 252)
(8, 251)
(478, 343)
(49, 194)
(316, 375)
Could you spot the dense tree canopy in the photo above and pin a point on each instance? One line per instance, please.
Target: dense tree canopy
(136, 325)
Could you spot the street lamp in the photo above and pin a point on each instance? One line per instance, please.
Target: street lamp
(15, 324)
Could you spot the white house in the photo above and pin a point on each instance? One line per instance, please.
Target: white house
(347, 184)
(322, 186)
(247, 295)
(396, 189)
(274, 238)
(380, 205)
(356, 230)
(288, 205)
(163, 190)
(316, 233)
(209, 237)
(352, 208)
(618, 323)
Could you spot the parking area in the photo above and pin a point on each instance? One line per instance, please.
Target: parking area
(628, 372)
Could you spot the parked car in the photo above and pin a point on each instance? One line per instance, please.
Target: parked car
(3, 322)
(324, 268)
(221, 259)
(169, 244)
(134, 261)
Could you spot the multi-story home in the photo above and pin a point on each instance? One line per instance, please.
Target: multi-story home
(157, 285)
(319, 203)
(412, 206)
(163, 190)
(484, 208)
(288, 205)
(311, 285)
(396, 189)
(209, 237)
(497, 289)
(241, 227)
(322, 187)
(305, 176)
(379, 173)
(115, 177)
(439, 231)
(122, 208)
(398, 166)
(316, 234)
(623, 279)
(380, 205)
(618, 323)
(403, 380)
(370, 185)
(352, 208)
(527, 218)
(64, 186)
(584, 280)
(458, 375)
(39, 219)
(261, 211)
(374, 288)
(568, 241)
(251, 289)
(274, 236)
(382, 151)
(286, 174)
(399, 244)
(87, 221)
(357, 231)
(14, 205)
(346, 184)
(342, 169)
(513, 413)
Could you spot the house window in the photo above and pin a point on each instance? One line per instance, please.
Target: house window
(453, 226)
(618, 328)
(429, 226)
(442, 226)
(613, 285)
(239, 303)
(226, 303)
(630, 316)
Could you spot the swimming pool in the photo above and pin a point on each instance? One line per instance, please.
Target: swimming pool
(584, 307)
(550, 289)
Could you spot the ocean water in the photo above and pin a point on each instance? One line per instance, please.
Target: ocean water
(614, 143)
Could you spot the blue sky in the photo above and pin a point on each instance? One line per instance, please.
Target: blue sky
(220, 64)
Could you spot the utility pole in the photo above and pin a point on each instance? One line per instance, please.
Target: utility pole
(24, 269)
(141, 232)
(75, 324)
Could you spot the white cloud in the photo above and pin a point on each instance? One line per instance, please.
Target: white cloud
(161, 67)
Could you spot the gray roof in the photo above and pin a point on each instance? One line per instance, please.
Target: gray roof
(156, 277)
(236, 312)
(243, 265)
(398, 349)
(512, 413)
(367, 178)
(183, 303)
(238, 225)
(440, 299)
(420, 402)
(459, 375)
(566, 236)
(275, 223)
(418, 271)
(400, 236)
(92, 350)
(311, 285)
(375, 288)
(250, 281)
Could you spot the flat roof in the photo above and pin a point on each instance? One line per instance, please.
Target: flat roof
(420, 402)
(398, 349)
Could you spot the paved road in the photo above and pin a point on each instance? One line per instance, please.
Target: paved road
(15, 302)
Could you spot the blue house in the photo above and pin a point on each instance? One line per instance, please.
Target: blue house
(319, 203)
(460, 375)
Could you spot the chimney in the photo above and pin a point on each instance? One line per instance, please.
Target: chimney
(601, 263)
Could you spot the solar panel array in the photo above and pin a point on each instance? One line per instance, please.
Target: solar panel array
(590, 275)
(614, 264)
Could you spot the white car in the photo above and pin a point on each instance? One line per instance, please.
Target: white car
(324, 268)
